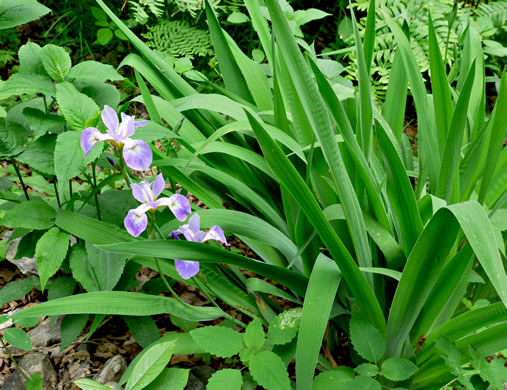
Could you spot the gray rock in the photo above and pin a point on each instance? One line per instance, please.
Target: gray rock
(198, 377)
(112, 371)
(27, 265)
(45, 333)
(33, 363)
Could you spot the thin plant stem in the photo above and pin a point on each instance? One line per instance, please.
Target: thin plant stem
(212, 301)
(13, 360)
(96, 195)
(166, 283)
(56, 193)
(70, 189)
(20, 179)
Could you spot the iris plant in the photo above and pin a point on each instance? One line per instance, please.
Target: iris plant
(136, 153)
(145, 192)
(192, 232)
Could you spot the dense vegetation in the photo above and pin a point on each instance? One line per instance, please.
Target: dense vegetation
(331, 181)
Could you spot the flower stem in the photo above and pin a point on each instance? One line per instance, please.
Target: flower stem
(96, 195)
(20, 179)
(56, 193)
(23, 373)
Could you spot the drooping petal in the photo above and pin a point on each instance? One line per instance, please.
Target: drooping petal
(175, 233)
(136, 222)
(187, 268)
(137, 154)
(178, 204)
(140, 124)
(110, 119)
(142, 192)
(90, 137)
(194, 223)
(157, 186)
(216, 233)
(127, 127)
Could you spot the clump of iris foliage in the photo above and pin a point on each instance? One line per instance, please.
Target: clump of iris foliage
(399, 251)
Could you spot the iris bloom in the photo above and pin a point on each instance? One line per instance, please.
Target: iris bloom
(145, 192)
(137, 153)
(192, 232)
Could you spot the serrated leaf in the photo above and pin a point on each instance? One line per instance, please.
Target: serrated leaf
(254, 335)
(26, 84)
(151, 364)
(225, 379)
(34, 383)
(107, 267)
(16, 12)
(494, 372)
(173, 378)
(398, 369)
(90, 384)
(217, 340)
(284, 327)
(95, 71)
(452, 358)
(362, 382)
(29, 58)
(18, 289)
(76, 107)
(367, 369)
(333, 379)
(12, 139)
(367, 340)
(71, 327)
(32, 214)
(39, 154)
(51, 250)
(18, 338)
(269, 371)
(56, 62)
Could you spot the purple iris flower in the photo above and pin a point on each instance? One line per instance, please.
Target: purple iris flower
(192, 232)
(137, 153)
(145, 192)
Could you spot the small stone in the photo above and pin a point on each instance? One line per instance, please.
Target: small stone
(27, 265)
(112, 371)
(33, 363)
(45, 334)
(198, 377)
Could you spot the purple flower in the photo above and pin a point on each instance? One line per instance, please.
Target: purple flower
(145, 192)
(137, 153)
(192, 232)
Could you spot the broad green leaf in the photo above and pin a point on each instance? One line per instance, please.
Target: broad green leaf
(39, 154)
(56, 62)
(254, 335)
(61, 287)
(26, 84)
(151, 364)
(362, 382)
(29, 58)
(70, 159)
(119, 303)
(398, 369)
(94, 70)
(105, 267)
(284, 327)
(494, 372)
(308, 15)
(225, 378)
(315, 315)
(144, 330)
(32, 214)
(238, 18)
(367, 369)
(269, 371)
(51, 250)
(333, 379)
(90, 384)
(71, 327)
(12, 139)
(34, 383)
(103, 94)
(76, 107)
(18, 289)
(16, 12)
(18, 338)
(217, 340)
(41, 122)
(78, 261)
(173, 378)
(367, 340)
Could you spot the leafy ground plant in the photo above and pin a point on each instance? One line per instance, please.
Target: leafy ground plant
(372, 241)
